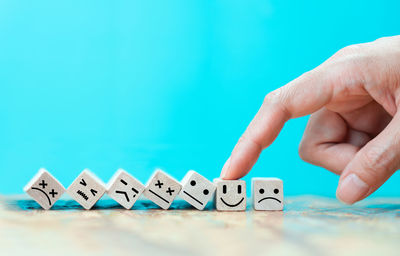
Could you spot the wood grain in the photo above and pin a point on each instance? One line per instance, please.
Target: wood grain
(307, 226)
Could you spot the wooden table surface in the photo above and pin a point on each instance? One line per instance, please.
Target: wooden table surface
(307, 226)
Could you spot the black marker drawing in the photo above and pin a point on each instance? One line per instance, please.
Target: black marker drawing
(239, 191)
(159, 196)
(170, 191)
(232, 205)
(124, 193)
(193, 197)
(83, 195)
(83, 182)
(159, 184)
(48, 198)
(43, 184)
(276, 191)
(94, 192)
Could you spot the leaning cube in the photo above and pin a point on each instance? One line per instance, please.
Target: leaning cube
(162, 189)
(86, 189)
(44, 189)
(124, 188)
(230, 195)
(267, 194)
(196, 190)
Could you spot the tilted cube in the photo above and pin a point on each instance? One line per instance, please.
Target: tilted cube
(44, 189)
(196, 190)
(86, 189)
(230, 195)
(267, 194)
(162, 189)
(124, 188)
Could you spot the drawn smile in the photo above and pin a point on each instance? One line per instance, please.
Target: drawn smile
(232, 205)
(48, 198)
(158, 196)
(273, 198)
(192, 197)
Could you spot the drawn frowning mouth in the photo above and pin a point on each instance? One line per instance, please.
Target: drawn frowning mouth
(232, 205)
(273, 198)
(48, 198)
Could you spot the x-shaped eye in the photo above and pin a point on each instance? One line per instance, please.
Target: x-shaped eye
(159, 184)
(170, 191)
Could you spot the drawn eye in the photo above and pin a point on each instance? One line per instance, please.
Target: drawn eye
(159, 184)
(224, 189)
(193, 183)
(205, 192)
(239, 189)
(276, 191)
(261, 191)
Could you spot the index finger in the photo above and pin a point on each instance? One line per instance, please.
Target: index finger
(301, 97)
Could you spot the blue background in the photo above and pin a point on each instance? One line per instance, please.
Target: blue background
(171, 84)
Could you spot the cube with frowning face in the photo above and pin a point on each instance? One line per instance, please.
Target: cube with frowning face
(267, 194)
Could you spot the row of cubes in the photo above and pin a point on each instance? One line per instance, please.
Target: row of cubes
(229, 195)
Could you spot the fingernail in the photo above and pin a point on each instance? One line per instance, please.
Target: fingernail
(225, 168)
(351, 189)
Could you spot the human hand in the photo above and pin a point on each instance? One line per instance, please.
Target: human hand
(354, 127)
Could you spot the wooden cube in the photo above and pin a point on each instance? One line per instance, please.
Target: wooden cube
(162, 189)
(86, 189)
(230, 195)
(196, 190)
(267, 194)
(124, 188)
(44, 189)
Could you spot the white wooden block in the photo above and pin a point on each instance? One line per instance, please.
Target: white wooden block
(44, 189)
(162, 189)
(230, 195)
(124, 188)
(86, 189)
(196, 190)
(267, 194)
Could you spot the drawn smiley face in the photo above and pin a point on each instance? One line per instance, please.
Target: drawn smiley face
(267, 194)
(230, 195)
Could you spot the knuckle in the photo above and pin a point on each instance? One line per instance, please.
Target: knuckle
(305, 152)
(374, 161)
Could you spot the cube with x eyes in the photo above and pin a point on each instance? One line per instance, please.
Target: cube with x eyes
(44, 189)
(196, 190)
(162, 189)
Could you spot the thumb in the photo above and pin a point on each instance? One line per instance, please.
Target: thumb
(372, 165)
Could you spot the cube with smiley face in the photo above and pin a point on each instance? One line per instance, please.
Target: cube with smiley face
(196, 190)
(230, 195)
(267, 194)
(162, 189)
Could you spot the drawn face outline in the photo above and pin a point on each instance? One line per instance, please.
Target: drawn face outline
(275, 191)
(239, 191)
